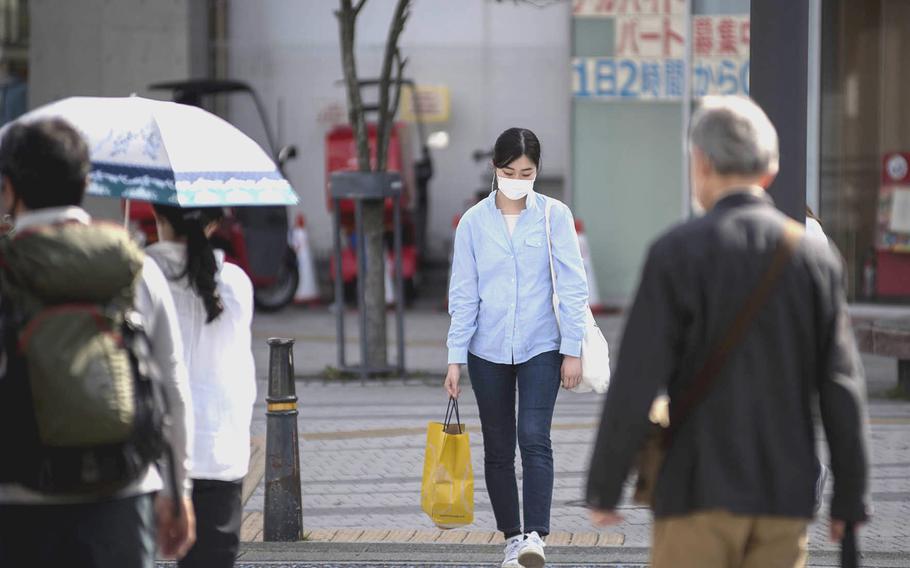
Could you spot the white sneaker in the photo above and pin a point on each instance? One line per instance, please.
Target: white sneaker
(531, 554)
(513, 545)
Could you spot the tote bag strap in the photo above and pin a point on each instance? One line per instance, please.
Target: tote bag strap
(452, 412)
(550, 255)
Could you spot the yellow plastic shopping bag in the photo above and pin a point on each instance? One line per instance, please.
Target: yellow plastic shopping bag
(447, 492)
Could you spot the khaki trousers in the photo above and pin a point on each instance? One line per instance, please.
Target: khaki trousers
(717, 539)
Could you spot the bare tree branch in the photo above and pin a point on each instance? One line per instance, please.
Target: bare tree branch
(402, 11)
(347, 18)
(359, 7)
(400, 64)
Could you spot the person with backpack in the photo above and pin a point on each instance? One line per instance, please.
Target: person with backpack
(93, 388)
(214, 302)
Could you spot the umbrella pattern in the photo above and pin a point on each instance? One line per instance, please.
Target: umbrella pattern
(170, 153)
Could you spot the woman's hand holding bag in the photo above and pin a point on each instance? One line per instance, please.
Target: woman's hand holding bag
(453, 374)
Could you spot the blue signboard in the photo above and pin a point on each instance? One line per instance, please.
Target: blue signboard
(656, 78)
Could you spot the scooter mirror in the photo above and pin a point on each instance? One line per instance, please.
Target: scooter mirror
(286, 153)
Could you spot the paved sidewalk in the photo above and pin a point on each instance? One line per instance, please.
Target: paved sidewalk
(362, 455)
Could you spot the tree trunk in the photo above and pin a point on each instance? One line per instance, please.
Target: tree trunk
(373, 211)
(374, 283)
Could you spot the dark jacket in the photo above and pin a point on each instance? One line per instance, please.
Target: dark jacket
(749, 445)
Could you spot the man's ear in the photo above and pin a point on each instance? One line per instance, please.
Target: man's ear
(766, 180)
(701, 162)
(8, 196)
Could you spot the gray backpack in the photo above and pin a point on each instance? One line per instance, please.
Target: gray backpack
(81, 408)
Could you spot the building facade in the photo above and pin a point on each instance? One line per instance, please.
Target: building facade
(608, 85)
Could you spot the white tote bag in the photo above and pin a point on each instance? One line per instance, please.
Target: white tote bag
(595, 353)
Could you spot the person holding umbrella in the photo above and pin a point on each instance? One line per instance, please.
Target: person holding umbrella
(214, 302)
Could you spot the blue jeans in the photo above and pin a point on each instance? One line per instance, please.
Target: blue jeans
(494, 387)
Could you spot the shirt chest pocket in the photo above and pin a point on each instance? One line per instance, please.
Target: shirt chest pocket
(534, 251)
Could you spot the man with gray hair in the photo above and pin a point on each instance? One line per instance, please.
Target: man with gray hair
(743, 323)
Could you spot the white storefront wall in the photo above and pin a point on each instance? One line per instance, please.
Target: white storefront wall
(111, 48)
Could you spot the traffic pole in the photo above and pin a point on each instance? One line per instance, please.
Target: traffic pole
(307, 288)
(594, 301)
(283, 518)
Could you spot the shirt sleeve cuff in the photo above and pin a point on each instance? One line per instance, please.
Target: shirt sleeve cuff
(570, 347)
(458, 355)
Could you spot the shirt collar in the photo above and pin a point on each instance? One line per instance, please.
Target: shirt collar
(535, 201)
(746, 196)
(52, 216)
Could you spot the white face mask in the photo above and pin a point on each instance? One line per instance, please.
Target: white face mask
(515, 189)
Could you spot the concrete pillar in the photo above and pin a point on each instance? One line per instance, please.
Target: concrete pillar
(779, 82)
(113, 48)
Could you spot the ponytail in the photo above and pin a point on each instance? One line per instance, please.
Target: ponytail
(201, 266)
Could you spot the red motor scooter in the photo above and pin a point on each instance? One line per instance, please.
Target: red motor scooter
(341, 155)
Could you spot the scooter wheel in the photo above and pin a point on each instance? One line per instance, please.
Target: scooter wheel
(281, 293)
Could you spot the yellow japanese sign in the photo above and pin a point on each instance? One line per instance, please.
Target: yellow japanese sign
(432, 102)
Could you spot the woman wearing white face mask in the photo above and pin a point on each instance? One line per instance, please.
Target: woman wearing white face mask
(504, 328)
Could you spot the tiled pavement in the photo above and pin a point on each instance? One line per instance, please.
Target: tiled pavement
(362, 449)
(353, 479)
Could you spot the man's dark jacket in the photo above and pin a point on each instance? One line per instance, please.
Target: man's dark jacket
(749, 446)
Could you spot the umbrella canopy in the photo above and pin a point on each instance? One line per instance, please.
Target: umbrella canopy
(170, 153)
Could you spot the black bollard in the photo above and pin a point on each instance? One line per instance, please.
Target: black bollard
(283, 520)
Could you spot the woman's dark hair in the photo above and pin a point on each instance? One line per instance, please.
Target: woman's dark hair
(46, 162)
(201, 266)
(515, 143)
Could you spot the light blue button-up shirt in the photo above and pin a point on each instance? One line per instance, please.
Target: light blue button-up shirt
(501, 292)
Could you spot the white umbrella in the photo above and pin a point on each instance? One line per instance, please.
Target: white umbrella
(170, 153)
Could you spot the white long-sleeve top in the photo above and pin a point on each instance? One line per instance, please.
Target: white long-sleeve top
(154, 303)
(219, 358)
